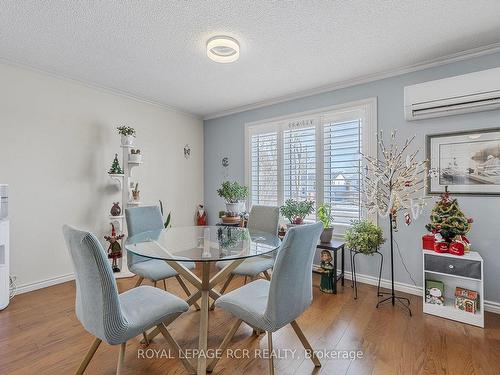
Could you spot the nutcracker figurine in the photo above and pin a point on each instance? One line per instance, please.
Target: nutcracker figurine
(114, 249)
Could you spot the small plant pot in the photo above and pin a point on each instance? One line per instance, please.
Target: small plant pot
(134, 158)
(326, 235)
(128, 140)
(234, 209)
(136, 196)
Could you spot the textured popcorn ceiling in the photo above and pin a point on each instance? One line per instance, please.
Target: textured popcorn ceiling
(156, 49)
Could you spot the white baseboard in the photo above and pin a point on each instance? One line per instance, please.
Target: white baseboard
(490, 306)
(25, 288)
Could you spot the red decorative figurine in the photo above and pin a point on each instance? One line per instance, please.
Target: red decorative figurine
(114, 249)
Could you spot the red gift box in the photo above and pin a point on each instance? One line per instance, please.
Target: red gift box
(456, 248)
(441, 247)
(428, 242)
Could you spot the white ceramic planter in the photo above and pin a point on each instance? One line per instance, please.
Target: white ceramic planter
(128, 140)
(135, 158)
(235, 208)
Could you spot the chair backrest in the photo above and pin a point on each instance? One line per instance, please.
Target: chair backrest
(140, 220)
(97, 303)
(290, 292)
(264, 218)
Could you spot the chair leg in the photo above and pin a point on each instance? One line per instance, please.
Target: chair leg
(121, 358)
(90, 353)
(190, 369)
(223, 346)
(139, 282)
(270, 349)
(164, 285)
(154, 284)
(246, 277)
(223, 289)
(146, 340)
(186, 290)
(305, 343)
(266, 274)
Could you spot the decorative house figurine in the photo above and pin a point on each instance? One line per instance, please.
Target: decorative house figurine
(114, 249)
(115, 166)
(326, 270)
(116, 209)
(466, 300)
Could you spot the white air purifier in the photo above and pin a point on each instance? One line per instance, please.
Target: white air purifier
(4, 248)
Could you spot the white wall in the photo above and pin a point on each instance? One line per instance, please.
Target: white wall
(57, 142)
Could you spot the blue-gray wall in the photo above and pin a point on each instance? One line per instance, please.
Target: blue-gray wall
(225, 137)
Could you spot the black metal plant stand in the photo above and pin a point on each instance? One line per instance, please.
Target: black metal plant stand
(393, 298)
(354, 283)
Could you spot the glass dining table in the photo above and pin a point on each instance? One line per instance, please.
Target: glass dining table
(202, 245)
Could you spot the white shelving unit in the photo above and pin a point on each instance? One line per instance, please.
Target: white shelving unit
(124, 182)
(463, 271)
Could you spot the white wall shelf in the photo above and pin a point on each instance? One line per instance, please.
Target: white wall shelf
(124, 182)
(455, 271)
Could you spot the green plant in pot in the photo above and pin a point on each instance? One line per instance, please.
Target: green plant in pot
(234, 194)
(128, 135)
(364, 236)
(296, 211)
(325, 215)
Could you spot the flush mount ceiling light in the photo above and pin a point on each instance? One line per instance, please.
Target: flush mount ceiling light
(223, 49)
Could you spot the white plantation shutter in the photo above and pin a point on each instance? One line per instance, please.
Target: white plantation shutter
(342, 164)
(314, 156)
(299, 163)
(264, 169)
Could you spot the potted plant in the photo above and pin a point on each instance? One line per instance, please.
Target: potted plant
(326, 217)
(135, 193)
(295, 211)
(128, 135)
(135, 156)
(234, 194)
(364, 237)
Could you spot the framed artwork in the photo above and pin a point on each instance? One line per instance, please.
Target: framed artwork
(467, 162)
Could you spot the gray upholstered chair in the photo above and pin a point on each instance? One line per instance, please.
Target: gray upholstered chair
(109, 316)
(266, 219)
(270, 305)
(144, 219)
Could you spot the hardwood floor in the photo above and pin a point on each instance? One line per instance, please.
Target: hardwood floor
(39, 334)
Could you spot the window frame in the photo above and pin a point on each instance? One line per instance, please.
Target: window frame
(365, 109)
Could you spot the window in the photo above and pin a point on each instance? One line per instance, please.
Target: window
(314, 155)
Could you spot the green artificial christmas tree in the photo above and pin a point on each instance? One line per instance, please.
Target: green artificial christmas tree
(115, 167)
(447, 219)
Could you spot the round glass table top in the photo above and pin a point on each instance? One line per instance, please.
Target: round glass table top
(202, 244)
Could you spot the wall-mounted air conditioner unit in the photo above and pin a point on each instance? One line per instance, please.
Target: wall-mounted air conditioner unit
(473, 92)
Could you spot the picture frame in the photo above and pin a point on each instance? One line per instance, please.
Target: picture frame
(468, 162)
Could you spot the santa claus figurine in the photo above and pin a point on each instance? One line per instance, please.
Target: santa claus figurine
(201, 216)
(114, 249)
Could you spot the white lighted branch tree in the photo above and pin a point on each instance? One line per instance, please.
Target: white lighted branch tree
(396, 182)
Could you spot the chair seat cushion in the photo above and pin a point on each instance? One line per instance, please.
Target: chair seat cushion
(248, 303)
(250, 267)
(145, 307)
(156, 269)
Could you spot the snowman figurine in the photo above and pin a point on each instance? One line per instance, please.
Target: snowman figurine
(435, 297)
